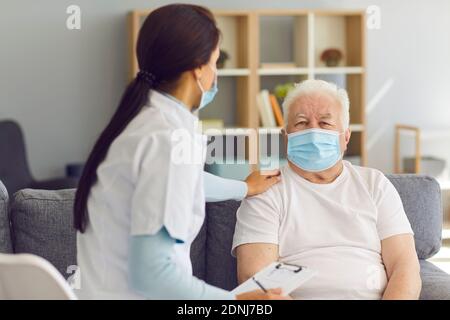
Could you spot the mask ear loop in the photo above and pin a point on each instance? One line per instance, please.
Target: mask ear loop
(200, 85)
(215, 79)
(343, 152)
(215, 76)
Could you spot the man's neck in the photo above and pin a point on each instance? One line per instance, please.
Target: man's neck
(322, 177)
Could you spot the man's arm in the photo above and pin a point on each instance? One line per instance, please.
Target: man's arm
(253, 257)
(402, 267)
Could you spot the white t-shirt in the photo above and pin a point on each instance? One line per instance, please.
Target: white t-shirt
(335, 229)
(138, 191)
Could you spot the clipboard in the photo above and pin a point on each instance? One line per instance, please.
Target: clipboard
(288, 277)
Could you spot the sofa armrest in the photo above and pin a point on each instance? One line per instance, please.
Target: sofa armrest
(435, 282)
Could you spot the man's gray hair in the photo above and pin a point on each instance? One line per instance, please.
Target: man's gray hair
(309, 87)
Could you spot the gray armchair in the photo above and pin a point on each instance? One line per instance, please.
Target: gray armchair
(14, 169)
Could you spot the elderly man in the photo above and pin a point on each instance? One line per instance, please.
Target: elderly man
(347, 222)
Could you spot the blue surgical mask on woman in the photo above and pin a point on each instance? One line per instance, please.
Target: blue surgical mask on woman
(314, 149)
(208, 96)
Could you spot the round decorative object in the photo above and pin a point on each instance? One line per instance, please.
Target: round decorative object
(331, 57)
(223, 57)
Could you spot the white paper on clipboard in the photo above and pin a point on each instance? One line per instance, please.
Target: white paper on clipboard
(277, 275)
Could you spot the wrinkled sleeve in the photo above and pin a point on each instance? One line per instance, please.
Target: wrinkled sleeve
(258, 220)
(391, 217)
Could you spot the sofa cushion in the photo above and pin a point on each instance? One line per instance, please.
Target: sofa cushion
(42, 224)
(198, 254)
(421, 197)
(5, 233)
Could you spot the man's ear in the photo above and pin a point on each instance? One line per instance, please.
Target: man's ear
(348, 134)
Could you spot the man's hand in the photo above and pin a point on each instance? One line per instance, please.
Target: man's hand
(271, 294)
(402, 267)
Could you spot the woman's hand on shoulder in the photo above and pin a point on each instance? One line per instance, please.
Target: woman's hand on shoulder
(259, 181)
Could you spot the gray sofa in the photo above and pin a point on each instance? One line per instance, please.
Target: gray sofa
(40, 222)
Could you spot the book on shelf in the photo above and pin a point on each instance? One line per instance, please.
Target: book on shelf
(265, 109)
(278, 65)
(277, 111)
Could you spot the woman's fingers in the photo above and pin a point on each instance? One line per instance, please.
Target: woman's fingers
(270, 173)
(259, 181)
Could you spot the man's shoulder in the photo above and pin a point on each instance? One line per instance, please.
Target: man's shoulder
(373, 177)
(276, 193)
(271, 194)
(271, 197)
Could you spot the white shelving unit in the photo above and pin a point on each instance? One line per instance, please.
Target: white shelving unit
(266, 48)
(283, 71)
(235, 72)
(229, 132)
(338, 70)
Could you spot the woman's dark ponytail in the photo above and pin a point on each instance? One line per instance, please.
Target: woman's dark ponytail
(134, 98)
(174, 39)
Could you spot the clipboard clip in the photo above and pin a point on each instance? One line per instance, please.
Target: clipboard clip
(297, 269)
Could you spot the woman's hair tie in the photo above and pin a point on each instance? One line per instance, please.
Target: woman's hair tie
(147, 77)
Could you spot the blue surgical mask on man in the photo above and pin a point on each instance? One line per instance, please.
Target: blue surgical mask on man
(208, 96)
(314, 149)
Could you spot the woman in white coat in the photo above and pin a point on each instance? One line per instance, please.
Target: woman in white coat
(139, 204)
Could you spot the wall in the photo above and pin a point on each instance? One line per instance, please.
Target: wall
(63, 86)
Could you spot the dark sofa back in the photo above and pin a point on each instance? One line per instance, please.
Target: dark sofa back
(5, 234)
